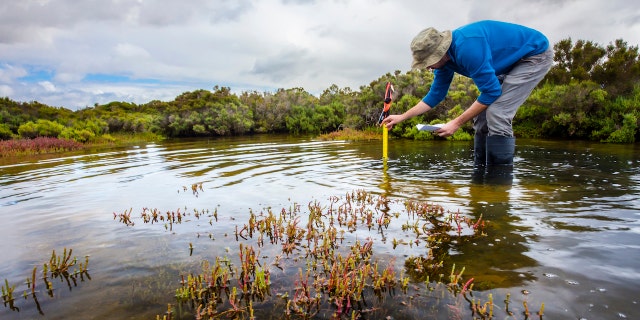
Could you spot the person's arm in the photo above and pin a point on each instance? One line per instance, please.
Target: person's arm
(420, 108)
(452, 126)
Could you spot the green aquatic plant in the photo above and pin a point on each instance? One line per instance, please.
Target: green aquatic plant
(329, 274)
(63, 267)
(7, 295)
(334, 248)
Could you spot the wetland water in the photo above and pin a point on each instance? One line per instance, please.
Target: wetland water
(565, 232)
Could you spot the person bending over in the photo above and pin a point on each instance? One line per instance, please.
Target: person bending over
(506, 61)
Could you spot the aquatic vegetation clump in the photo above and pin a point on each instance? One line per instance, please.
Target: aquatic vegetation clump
(62, 267)
(335, 260)
(336, 273)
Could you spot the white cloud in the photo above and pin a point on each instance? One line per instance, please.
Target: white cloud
(127, 50)
(251, 44)
(66, 77)
(47, 86)
(5, 90)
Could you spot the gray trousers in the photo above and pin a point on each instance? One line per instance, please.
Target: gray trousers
(517, 85)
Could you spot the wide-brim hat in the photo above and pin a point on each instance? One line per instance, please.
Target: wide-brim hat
(429, 46)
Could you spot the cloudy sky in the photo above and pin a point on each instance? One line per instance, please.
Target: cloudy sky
(75, 53)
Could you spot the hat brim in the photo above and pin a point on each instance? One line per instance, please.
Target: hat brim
(436, 55)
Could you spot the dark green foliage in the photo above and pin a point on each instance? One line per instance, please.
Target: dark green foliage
(619, 74)
(322, 119)
(590, 93)
(579, 110)
(574, 62)
(615, 68)
(201, 113)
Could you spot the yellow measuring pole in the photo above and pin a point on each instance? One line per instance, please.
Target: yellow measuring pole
(385, 142)
(388, 97)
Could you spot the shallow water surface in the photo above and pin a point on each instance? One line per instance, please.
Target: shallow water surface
(564, 231)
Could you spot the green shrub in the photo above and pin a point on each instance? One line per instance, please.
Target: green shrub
(48, 128)
(80, 135)
(5, 132)
(28, 130)
(461, 135)
(626, 133)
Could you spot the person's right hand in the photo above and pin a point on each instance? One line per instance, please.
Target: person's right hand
(392, 120)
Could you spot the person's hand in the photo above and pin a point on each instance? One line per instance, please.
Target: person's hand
(448, 129)
(392, 120)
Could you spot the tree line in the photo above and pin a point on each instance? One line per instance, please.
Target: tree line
(591, 93)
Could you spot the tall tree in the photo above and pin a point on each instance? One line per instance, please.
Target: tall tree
(575, 62)
(620, 71)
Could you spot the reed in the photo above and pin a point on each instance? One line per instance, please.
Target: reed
(340, 277)
(64, 267)
(7, 294)
(340, 273)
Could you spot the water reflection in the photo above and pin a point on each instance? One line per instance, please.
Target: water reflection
(561, 224)
(565, 226)
(500, 259)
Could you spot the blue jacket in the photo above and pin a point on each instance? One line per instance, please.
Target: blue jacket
(482, 51)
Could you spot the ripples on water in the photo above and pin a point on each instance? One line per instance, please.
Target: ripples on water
(572, 211)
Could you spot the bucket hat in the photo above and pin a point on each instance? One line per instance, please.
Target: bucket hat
(429, 46)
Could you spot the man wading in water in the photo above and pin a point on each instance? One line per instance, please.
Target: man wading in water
(506, 61)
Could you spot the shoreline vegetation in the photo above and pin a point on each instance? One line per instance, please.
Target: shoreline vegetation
(591, 93)
(48, 145)
(351, 135)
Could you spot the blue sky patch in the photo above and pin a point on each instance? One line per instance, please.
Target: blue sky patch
(101, 77)
(115, 78)
(37, 74)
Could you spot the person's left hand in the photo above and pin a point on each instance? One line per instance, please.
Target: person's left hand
(447, 130)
